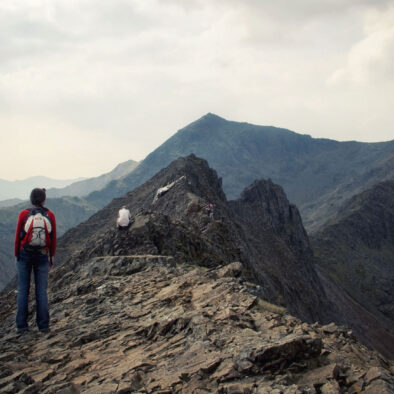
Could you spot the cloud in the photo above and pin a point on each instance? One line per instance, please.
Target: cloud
(372, 58)
(136, 71)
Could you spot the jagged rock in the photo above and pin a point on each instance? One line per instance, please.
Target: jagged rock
(356, 387)
(172, 327)
(231, 270)
(320, 376)
(379, 387)
(287, 350)
(262, 230)
(330, 388)
(372, 374)
(157, 308)
(330, 328)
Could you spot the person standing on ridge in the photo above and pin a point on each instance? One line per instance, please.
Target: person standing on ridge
(35, 246)
(123, 220)
(210, 211)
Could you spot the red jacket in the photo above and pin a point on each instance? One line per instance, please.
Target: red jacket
(51, 247)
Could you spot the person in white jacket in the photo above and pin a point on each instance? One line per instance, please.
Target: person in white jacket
(124, 216)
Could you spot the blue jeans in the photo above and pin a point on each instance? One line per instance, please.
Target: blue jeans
(39, 263)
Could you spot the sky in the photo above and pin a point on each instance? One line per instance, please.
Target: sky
(87, 84)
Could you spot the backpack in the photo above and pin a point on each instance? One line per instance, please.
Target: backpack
(37, 229)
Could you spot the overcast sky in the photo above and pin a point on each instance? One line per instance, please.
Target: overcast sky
(85, 84)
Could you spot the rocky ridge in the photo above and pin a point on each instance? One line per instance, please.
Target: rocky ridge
(183, 303)
(261, 229)
(145, 324)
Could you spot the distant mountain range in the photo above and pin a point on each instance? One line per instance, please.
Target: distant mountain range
(21, 188)
(84, 187)
(10, 202)
(318, 175)
(14, 192)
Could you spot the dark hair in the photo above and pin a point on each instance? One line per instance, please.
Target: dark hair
(38, 196)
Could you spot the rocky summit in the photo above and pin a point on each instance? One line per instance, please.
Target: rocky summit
(187, 302)
(144, 324)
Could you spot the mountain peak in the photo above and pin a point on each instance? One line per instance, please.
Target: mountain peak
(210, 117)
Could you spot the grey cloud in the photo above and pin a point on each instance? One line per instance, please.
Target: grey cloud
(27, 32)
(131, 68)
(302, 10)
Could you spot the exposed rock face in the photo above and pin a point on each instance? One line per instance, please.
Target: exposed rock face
(276, 246)
(355, 253)
(180, 302)
(270, 204)
(261, 229)
(129, 324)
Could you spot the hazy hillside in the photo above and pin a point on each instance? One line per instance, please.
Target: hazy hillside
(84, 187)
(22, 188)
(10, 202)
(356, 248)
(317, 174)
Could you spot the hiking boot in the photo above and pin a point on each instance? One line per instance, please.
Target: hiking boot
(21, 331)
(45, 330)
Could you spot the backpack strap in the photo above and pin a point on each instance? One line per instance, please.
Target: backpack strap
(22, 234)
(44, 212)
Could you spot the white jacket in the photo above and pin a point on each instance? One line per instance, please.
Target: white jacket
(124, 217)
